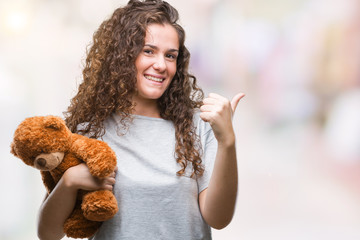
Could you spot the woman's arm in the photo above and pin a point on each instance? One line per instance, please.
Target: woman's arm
(58, 205)
(217, 202)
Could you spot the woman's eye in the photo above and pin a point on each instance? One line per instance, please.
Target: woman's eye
(147, 51)
(171, 56)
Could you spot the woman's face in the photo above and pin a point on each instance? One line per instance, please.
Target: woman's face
(156, 63)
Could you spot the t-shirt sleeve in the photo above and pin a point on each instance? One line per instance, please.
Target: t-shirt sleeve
(209, 149)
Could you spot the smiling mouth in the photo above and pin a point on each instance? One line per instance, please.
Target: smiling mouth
(155, 79)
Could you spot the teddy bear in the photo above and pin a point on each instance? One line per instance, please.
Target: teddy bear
(47, 144)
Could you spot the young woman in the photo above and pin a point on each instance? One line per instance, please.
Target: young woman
(177, 170)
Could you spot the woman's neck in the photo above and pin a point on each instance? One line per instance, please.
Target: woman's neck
(146, 107)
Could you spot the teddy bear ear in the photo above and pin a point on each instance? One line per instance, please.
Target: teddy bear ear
(13, 150)
(53, 122)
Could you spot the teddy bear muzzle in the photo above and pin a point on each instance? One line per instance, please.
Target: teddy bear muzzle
(48, 161)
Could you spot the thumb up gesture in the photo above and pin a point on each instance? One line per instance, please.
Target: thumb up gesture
(218, 111)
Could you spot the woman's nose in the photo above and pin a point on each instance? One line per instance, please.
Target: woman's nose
(160, 64)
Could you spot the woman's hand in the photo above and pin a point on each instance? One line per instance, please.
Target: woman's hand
(218, 111)
(79, 177)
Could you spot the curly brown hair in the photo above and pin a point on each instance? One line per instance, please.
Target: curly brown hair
(109, 79)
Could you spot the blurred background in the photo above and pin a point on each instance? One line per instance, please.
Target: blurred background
(298, 128)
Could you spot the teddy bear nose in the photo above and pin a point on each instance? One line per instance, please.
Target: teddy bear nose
(41, 162)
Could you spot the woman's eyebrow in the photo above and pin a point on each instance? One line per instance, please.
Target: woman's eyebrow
(156, 48)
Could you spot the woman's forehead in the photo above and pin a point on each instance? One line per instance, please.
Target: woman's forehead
(162, 35)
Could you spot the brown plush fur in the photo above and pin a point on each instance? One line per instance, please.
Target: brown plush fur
(42, 141)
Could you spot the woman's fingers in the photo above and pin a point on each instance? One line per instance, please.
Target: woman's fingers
(217, 96)
(208, 108)
(210, 101)
(216, 102)
(107, 182)
(205, 116)
(214, 99)
(113, 174)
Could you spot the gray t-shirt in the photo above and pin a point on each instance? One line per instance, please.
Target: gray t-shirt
(155, 203)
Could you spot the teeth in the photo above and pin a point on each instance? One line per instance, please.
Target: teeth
(154, 78)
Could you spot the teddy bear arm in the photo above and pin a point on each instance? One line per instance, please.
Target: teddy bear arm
(99, 205)
(98, 156)
(48, 180)
(77, 226)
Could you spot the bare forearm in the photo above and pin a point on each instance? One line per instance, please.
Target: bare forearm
(217, 202)
(55, 210)
(220, 197)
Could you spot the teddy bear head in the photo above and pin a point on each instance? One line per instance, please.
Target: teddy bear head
(41, 142)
